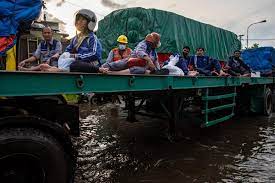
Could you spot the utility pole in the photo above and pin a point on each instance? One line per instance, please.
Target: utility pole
(263, 21)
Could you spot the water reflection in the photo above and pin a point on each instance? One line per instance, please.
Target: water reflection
(113, 150)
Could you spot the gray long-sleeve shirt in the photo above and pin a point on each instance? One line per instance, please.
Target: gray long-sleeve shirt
(142, 50)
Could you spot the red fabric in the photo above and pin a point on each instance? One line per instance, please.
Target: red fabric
(223, 63)
(136, 62)
(117, 56)
(162, 57)
(6, 42)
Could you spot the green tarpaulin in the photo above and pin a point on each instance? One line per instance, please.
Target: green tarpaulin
(176, 31)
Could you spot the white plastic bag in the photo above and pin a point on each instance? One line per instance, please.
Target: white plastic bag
(65, 55)
(173, 70)
(173, 60)
(65, 61)
(255, 74)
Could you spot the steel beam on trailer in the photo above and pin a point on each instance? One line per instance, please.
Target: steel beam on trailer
(214, 122)
(219, 108)
(218, 97)
(131, 107)
(43, 83)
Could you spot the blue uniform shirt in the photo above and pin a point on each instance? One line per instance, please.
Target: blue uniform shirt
(44, 53)
(89, 50)
(183, 64)
(205, 64)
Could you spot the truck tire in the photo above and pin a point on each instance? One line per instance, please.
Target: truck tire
(29, 155)
(268, 103)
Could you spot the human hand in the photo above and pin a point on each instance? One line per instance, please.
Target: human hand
(223, 73)
(193, 73)
(226, 68)
(55, 55)
(22, 64)
(72, 55)
(48, 61)
(103, 70)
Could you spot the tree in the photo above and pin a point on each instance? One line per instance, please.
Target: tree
(255, 45)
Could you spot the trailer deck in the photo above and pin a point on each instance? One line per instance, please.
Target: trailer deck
(171, 91)
(42, 83)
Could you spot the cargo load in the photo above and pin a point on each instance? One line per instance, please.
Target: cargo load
(176, 31)
(260, 59)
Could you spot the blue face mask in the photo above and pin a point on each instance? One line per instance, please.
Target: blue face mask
(122, 46)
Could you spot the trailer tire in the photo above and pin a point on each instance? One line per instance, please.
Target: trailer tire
(268, 103)
(29, 155)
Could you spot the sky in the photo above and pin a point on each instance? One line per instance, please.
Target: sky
(233, 15)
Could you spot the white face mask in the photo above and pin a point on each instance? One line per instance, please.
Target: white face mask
(159, 44)
(122, 46)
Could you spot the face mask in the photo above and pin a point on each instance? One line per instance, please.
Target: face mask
(159, 44)
(122, 46)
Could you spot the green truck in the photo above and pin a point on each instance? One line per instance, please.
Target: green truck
(37, 124)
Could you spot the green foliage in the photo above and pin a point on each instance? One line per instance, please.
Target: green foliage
(255, 45)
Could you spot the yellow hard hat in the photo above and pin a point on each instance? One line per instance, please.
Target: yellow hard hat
(122, 39)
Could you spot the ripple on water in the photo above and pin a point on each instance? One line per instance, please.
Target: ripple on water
(111, 150)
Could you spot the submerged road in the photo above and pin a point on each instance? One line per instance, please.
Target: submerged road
(113, 150)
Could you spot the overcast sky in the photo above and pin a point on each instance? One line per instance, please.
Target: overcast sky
(233, 15)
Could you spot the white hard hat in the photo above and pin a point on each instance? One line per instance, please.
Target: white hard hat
(90, 15)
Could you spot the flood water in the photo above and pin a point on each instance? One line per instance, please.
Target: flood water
(113, 150)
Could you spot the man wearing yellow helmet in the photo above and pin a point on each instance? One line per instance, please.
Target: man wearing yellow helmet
(121, 52)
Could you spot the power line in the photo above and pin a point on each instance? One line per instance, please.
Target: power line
(261, 39)
(76, 5)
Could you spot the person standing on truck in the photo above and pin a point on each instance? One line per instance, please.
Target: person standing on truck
(84, 50)
(48, 51)
(205, 65)
(236, 66)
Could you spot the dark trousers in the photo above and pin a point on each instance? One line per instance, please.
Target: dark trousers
(80, 66)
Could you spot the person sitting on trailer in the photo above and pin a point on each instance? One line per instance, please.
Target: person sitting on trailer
(182, 63)
(118, 57)
(84, 49)
(236, 66)
(120, 52)
(205, 65)
(143, 59)
(48, 51)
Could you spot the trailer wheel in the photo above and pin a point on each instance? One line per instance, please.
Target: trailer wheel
(268, 104)
(32, 156)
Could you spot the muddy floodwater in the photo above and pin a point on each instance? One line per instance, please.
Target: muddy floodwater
(113, 150)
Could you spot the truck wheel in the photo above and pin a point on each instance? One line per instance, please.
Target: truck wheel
(268, 104)
(32, 156)
(58, 98)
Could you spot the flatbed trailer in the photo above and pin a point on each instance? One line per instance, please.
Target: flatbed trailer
(36, 122)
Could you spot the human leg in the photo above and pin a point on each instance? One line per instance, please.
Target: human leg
(79, 66)
(137, 70)
(116, 66)
(34, 68)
